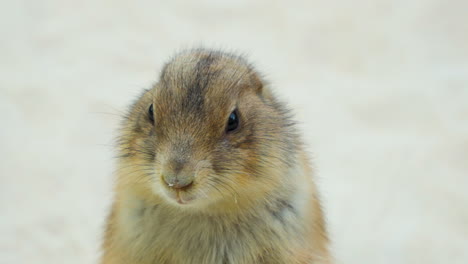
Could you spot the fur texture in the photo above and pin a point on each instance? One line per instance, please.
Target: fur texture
(252, 198)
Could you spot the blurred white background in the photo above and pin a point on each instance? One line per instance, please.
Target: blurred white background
(380, 89)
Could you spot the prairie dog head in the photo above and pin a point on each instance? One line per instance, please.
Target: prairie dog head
(208, 133)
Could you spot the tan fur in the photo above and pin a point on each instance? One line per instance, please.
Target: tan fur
(253, 198)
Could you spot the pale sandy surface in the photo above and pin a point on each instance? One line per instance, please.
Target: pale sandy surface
(380, 87)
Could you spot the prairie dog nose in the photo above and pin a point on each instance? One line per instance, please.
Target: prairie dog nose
(177, 181)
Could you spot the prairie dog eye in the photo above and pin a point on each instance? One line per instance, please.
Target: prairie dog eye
(233, 122)
(151, 114)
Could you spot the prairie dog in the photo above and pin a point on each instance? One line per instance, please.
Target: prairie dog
(211, 170)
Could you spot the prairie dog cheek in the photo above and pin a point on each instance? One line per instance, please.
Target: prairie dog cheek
(202, 167)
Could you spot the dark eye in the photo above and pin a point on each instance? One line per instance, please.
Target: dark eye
(151, 113)
(233, 122)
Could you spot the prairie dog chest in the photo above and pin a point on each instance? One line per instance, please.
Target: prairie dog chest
(167, 236)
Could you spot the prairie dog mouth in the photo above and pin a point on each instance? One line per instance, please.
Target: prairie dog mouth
(179, 196)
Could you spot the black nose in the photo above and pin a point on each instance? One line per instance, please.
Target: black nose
(177, 181)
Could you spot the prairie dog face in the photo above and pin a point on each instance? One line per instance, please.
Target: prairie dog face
(208, 132)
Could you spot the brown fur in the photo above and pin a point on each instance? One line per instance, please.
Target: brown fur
(253, 198)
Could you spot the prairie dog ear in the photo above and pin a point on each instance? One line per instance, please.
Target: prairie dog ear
(256, 82)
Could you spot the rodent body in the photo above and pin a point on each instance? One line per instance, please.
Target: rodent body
(211, 170)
